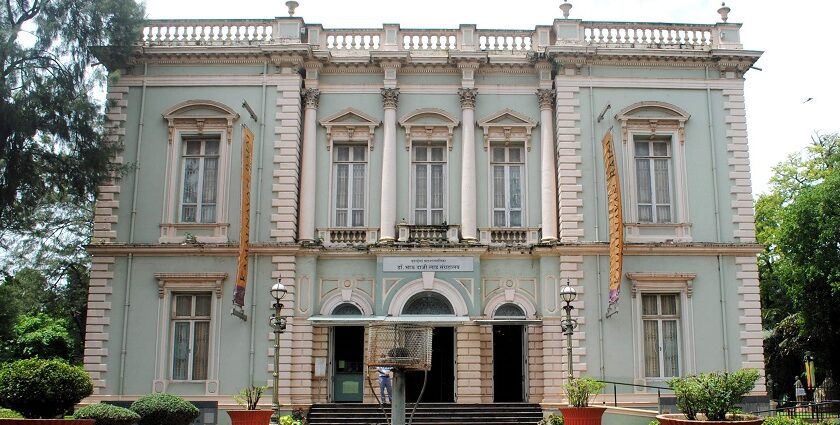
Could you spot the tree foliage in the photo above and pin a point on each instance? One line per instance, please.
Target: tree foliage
(52, 141)
(40, 335)
(798, 221)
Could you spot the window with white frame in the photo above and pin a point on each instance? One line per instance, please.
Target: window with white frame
(507, 168)
(199, 179)
(661, 324)
(655, 176)
(190, 345)
(653, 179)
(197, 172)
(429, 168)
(662, 327)
(349, 182)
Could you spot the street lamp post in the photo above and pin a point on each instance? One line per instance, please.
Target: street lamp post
(278, 324)
(568, 294)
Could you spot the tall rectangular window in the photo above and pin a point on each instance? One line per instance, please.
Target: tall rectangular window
(190, 336)
(199, 177)
(429, 164)
(660, 322)
(653, 179)
(349, 164)
(507, 166)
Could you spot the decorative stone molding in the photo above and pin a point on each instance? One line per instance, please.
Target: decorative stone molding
(310, 97)
(661, 282)
(182, 281)
(749, 318)
(428, 124)
(511, 295)
(350, 125)
(200, 115)
(546, 98)
(507, 126)
(347, 296)
(390, 98)
(428, 283)
(467, 97)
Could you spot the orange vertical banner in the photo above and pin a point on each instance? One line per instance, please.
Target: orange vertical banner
(244, 222)
(615, 219)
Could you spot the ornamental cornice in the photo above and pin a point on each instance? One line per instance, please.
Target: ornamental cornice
(507, 126)
(739, 60)
(428, 124)
(350, 125)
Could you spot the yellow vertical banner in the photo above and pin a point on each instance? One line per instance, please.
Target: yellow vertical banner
(615, 219)
(244, 221)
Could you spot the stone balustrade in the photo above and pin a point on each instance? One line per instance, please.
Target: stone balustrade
(466, 38)
(618, 34)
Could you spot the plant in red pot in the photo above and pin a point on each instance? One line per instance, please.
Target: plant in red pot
(43, 390)
(249, 398)
(579, 391)
(712, 398)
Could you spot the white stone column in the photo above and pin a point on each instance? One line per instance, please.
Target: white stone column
(306, 219)
(388, 207)
(469, 226)
(548, 175)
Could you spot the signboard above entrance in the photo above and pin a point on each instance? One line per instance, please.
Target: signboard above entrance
(427, 264)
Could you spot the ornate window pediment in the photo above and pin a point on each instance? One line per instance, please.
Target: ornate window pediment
(200, 115)
(651, 116)
(350, 125)
(428, 124)
(507, 126)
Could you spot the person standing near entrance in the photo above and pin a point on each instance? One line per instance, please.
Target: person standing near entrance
(384, 383)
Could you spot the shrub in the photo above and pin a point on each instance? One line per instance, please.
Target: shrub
(39, 388)
(784, 420)
(249, 397)
(552, 419)
(289, 420)
(164, 409)
(580, 389)
(107, 414)
(835, 421)
(714, 394)
(9, 414)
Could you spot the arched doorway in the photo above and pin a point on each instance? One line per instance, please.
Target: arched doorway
(348, 352)
(509, 355)
(440, 380)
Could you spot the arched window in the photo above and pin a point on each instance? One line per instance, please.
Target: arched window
(346, 309)
(509, 311)
(428, 303)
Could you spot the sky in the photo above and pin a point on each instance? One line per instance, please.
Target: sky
(798, 63)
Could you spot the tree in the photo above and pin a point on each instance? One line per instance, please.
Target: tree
(799, 224)
(40, 335)
(52, 141)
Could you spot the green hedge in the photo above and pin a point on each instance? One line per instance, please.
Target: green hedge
(107, 414)
(164, 409)
(9, 414)
(38, 388)
(784, 420)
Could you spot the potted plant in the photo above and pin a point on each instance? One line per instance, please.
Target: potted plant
(712, 398)
(249, 398)
(579, 390)
(43, 391)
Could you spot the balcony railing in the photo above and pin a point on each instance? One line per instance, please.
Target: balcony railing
(466, 38)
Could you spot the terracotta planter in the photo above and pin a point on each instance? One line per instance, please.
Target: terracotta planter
(582, 415)
(250, 417)
(679, 419)
(47, 422)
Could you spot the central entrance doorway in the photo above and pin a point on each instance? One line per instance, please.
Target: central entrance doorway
(440, 382)
(508, 363)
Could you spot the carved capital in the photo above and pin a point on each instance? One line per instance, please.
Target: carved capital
(310, 97)
(390, 98)
(546, 98)
(467, 97)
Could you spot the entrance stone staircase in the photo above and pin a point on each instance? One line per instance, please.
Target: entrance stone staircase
(428, 414)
